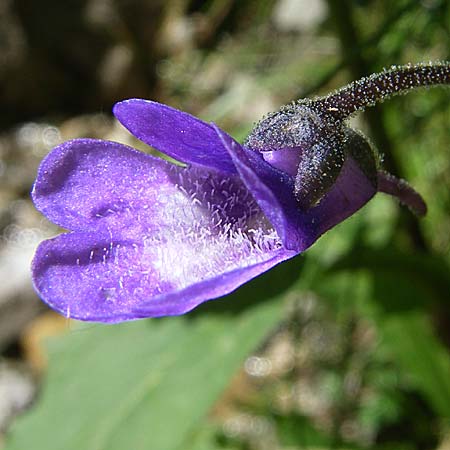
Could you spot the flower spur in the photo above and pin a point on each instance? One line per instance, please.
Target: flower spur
(149, 238)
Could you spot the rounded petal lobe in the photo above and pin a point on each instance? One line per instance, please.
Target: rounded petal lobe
(175, 133)
(99, 277)
(86, 183)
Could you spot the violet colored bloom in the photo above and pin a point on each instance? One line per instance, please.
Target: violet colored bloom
(150, 238)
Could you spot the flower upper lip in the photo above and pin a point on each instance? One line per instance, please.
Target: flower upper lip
(175, 133)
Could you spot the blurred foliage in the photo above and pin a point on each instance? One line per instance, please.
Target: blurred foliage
(163, 373)
(359, 357)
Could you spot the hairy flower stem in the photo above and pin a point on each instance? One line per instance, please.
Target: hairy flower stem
(378, 87)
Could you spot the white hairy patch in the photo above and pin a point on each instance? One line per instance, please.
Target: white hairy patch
(213, 225)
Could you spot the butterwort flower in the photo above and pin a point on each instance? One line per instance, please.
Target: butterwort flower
(151, 238)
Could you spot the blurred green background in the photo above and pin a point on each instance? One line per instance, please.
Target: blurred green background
(346, 346)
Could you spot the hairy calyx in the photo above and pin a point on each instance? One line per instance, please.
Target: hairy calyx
(314, 139)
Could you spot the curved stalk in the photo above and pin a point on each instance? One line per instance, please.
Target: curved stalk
(380, 86)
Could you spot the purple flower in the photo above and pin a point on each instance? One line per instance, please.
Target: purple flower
(150, 238)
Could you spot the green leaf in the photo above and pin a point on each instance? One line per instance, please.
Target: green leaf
(401, 290)
(422, 357)
(148, 384)
(416, 280)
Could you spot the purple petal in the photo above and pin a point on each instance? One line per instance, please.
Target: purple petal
(84, 182)
(285, 159)
(351, 192)
(175, 133)
(99, 277)
(273, 189)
